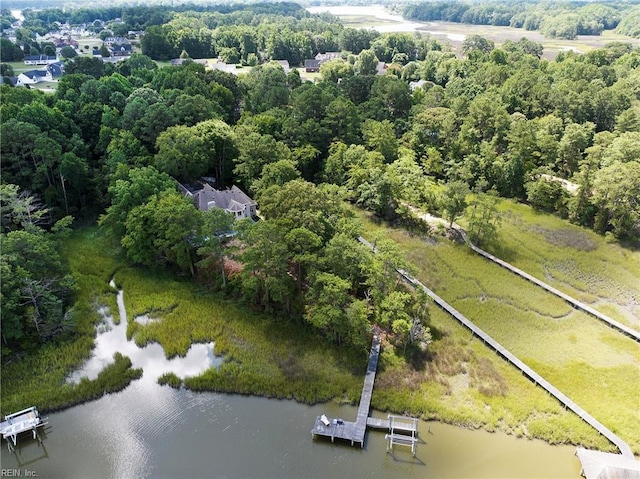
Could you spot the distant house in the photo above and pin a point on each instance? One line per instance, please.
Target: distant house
(39, 59)
(32, 77)
(176, 62)
(325, 57)
(65, 41)
(414, 85)
(110, 41)
(311, 66)
(56, 70)
(285, 65)
(120, 49)
(225, 67)
(232, 200)
(381, 68)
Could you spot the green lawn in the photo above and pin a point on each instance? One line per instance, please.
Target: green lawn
(590, 362)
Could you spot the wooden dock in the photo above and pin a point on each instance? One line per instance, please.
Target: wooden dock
(354, 432)
(526, 370)
(348, 430)
(632, 333)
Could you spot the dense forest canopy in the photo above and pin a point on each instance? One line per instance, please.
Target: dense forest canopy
(433, 129)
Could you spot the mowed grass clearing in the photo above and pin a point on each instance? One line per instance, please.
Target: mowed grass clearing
(564, 345)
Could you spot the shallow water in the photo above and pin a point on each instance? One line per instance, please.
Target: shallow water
(149, 430)
(112, 338)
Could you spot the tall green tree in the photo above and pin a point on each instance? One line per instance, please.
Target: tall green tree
(616, 194)
(132, 188)
(454, 200)
(162, 231)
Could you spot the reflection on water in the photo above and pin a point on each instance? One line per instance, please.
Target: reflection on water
(148, 430)
(153, 431)
(112, 338)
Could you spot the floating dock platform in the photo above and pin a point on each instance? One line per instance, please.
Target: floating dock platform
(22, 421)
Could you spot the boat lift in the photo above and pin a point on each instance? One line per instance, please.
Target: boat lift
(22, 421)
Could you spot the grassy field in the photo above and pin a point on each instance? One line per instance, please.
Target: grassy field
(587, 360)
(578, 261)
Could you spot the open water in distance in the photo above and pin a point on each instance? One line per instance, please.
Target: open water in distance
(153, 431)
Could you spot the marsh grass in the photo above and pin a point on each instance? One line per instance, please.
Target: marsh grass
(39, 378)
(264, 355)
(365, 21)
(573, 259)
(564, 345)
(170, 379)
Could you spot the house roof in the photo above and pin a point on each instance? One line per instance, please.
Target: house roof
(323, 57)
(31, 58)
(231, 198)
(56, 70)
(312, 63)
(33, 74)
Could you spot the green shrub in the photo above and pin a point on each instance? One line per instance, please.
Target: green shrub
(170, 379)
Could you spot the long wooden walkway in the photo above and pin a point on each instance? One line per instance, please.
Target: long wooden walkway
(348, 430)
(527, 371)
(574, 302)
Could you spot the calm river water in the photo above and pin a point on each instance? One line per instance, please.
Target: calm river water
(152, 431)
(149, 430)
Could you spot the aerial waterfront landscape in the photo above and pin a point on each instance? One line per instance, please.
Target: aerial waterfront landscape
(211, 214)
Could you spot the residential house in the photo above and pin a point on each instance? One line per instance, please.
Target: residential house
(120, 49)
(110, 41)
(39, 59)
(232, 200)
(325, 57)
(64, 41)
(285, 65)
(32, 77)
(225, 67)
(414, 85)
(176, 62)
(56, 70)
(381, 68)
(311, 66)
